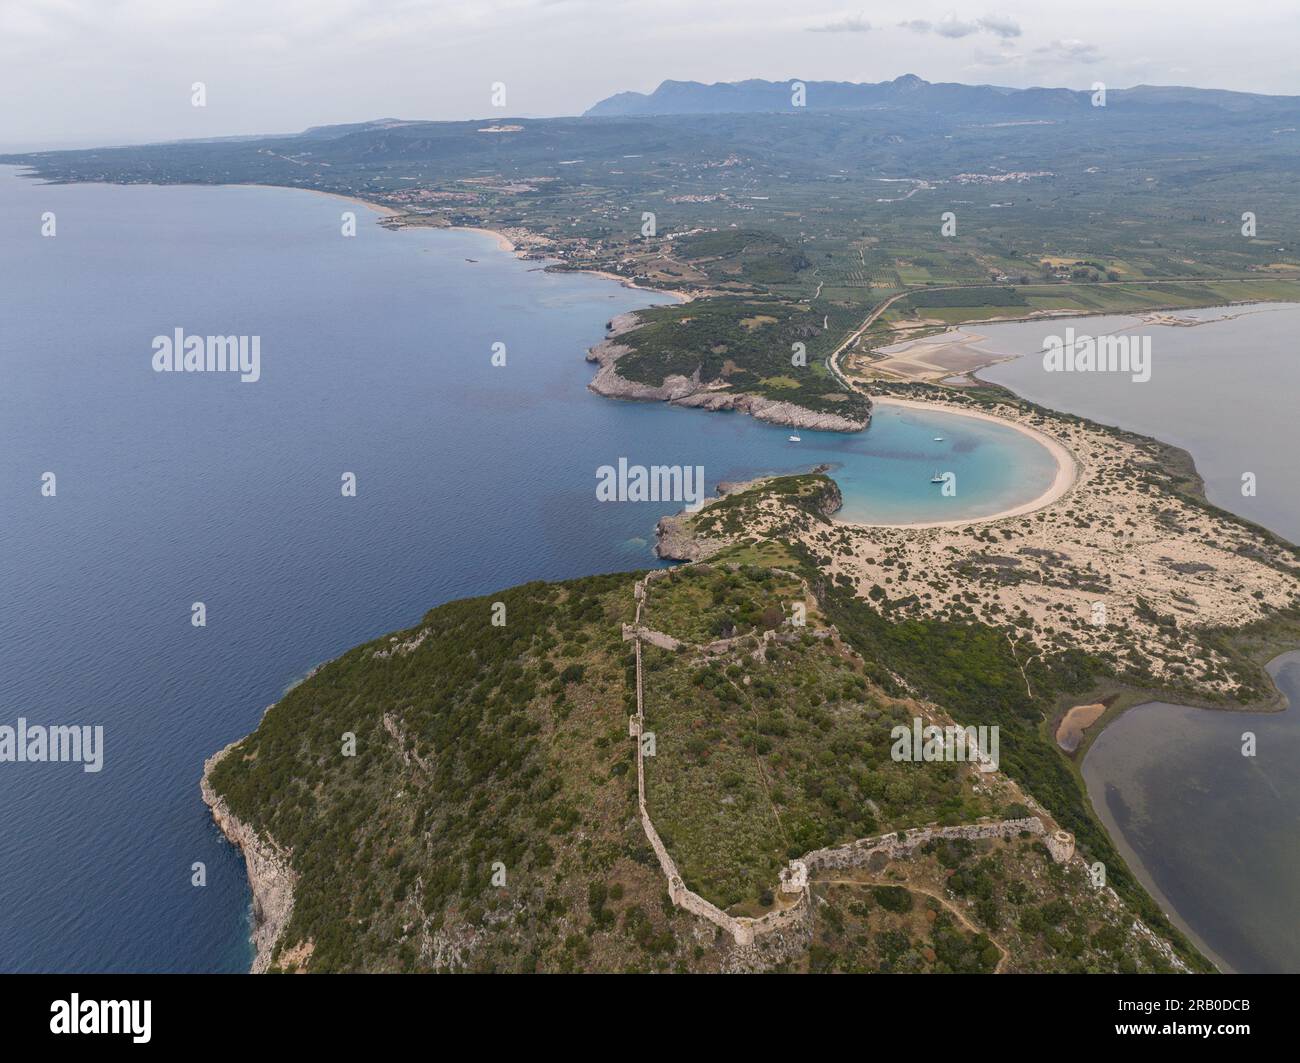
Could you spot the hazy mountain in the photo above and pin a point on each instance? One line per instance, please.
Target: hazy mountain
(914, 93)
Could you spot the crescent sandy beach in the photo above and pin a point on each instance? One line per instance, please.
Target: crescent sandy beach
(1066, 468)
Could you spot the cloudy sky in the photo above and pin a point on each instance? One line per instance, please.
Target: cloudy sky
(80, 72)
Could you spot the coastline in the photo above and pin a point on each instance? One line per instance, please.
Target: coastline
(504, 242)
(265, 873)
(1067, 469)
(678, 390)
(681, 297)
(234, 829)
(269, 875)
(378, 208)
(1140, 872)
(964, 335)
(1131, 857)
(963, 338)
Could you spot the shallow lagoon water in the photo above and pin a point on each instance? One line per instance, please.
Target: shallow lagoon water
(1215, 835)
(1225, 391)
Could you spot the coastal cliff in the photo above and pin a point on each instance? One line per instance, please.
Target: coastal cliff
(691, 391)
(269, 873)
(458, 837)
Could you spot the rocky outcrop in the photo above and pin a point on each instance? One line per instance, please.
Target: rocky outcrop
(829, 499)
(693, 392)
(269, 873)
(676, 538)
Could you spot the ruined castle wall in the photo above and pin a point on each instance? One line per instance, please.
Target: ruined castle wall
(856, 854)
(785, 927)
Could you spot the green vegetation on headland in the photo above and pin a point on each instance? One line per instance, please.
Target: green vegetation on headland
(745, 345)
(462, 795)
(971, 671)
(488, 819)
(812, 217)
(934, 627)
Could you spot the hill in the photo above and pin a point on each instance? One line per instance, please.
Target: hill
(463, 795)
(792, 229)
(910, 92)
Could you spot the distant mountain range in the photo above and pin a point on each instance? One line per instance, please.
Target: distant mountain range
(914, 93)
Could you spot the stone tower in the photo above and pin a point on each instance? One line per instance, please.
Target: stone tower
(1061, 845)
(794, 879)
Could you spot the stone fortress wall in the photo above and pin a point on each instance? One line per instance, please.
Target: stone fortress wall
(794, 879)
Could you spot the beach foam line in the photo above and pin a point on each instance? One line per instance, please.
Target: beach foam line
(378, 208)
(1067, 469)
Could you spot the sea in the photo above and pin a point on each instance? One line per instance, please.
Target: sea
(130, 495)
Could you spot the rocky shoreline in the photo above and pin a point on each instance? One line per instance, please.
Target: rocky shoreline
(692, 392)
(675, 536)
(269, 873)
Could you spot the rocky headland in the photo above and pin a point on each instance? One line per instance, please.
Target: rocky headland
(677, 538)
(269, 873)
(691, 391)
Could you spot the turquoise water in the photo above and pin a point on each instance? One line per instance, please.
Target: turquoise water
(176, 488)
(885, 475)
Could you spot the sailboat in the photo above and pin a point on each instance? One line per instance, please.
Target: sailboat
(937, 478)
(795, 439)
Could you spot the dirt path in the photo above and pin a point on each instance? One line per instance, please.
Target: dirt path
(957, 913)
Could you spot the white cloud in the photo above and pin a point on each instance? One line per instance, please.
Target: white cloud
(849, 24)
(1000, 25)
(1071, 50)
(954, 28)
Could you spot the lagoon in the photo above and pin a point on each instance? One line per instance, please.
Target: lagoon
(1212, 833)
(1223, 390)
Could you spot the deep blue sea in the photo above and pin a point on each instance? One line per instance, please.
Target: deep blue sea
(179, 488)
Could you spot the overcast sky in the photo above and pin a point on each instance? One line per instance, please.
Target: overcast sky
(80, 72)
